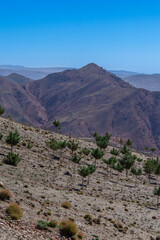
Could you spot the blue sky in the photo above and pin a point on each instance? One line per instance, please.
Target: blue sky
(115, 34)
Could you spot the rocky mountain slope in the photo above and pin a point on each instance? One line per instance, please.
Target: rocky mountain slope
(86, 100)
(16, 78)
(39, 183)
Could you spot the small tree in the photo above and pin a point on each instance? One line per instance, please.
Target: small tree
(129, 142)
(2, 110)
(114, 152)
(97, 154)
(53, 144)
(92, 169)
(156, 192)
(149, 167)
(75, 159)
(136, 173)
(83, 172)
(127, 161)
(72, 145)
(13, 139)
(102, 141)
(56, 124)
(125, 150)
(85, 151)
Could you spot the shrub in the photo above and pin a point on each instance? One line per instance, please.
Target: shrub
(68, 228)
(114, 152)
(15, 211)
(85, 151)
(66, 205)
(53, 223)
(12, 159)
(43, 225)
(5, 194)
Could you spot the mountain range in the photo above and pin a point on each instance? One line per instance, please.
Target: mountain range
(86, 100)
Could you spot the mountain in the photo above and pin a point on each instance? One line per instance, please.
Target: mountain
(86, 100)
(16, 78)
(147, 81)
(122, 73)
(32, 73)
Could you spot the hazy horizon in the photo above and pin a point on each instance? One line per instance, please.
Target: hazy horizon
(118, 35)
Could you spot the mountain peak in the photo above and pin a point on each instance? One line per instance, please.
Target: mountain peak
(94, 68)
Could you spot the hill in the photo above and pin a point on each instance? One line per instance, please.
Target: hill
(147, 81)
(110, 207)
(16, 78)
(86, 100)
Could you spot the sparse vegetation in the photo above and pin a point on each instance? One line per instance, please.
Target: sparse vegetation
(12, 159)
(68, 228)
(5, 194)
(14, 211)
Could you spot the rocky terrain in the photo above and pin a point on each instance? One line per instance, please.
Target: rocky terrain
(39, 183)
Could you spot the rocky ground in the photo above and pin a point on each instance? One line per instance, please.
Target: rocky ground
(39, 184)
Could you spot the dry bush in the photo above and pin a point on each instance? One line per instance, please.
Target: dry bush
(66, 205)
(5, 194)
(14, 211)
(68, 228)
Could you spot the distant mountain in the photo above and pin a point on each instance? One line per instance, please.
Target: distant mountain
(86, 100)
(122, 74)
(150, 82)
(16, 78)
(32, 73)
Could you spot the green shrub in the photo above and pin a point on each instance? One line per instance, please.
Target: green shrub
(66, 205)
(5, 194)
(12, 159)
(68, 228)
(43, 225)
(85, 151)
(114, 152)
(53, 223)
(15, 211)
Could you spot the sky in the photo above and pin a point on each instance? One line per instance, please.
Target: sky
(115, 34)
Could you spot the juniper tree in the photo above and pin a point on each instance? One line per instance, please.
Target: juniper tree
(127, 160)
(13, 139)
(102, 141)
(2, 110)
(56, 124)
(92, 169)
(149, 167)
(129, 142)
(118, 167)
(114, 152)
(83, 172)
(75, 159)
(125, 150)
(85, 151)
(53, 144)
(73, 146)
(97, 154)
(156, 192)
(136, 172)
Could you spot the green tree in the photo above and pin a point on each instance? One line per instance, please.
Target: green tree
(53, 144)
(156, 192)
(125, 150)
(136, 172)
(86, 151)
(129, 142)
(102, 141)
(92, 169)
(127, 161)
(97, 154)
(2, 110)
(73, 146)
(75, 159)
(56, 124)
(149, 167)
(83, 172)
(13, 139)
(114, 152)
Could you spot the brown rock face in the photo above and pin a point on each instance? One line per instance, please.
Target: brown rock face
(87, 100)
